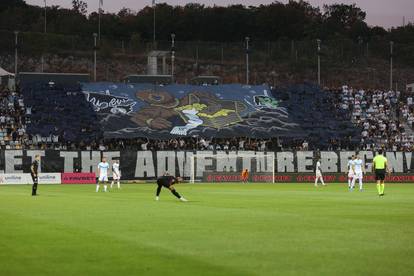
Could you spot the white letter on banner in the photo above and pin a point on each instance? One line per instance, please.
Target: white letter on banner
(285, 162)
(329, 161)
(68, 157)
(395, 161)
(264, 161)
(110, 156)
(165, 162)
(345, 156)
(305, 160)
(408, 156)
(13, 158)
(247, 159)
(367, 157)
(145, 164)
(90, 161)
(184, 159)
(226, 162)
(33, 153)
(203, 160)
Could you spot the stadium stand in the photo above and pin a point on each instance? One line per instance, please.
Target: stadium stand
(12, 124)
(377, 114)
(59, 117)
(59, 114)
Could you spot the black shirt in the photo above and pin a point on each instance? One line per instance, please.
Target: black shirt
(35, 166)
(166, 180)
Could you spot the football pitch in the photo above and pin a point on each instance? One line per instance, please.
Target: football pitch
(225, 229)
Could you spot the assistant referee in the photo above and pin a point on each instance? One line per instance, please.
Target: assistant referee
(380, 167)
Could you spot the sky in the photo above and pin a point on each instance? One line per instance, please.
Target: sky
(385, 13)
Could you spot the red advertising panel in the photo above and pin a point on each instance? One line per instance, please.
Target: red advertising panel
(78, 178)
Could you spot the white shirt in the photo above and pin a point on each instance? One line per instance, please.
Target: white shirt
(115, 168)
(103, 168)
(318, 166)
(358, 165)
(350, 164)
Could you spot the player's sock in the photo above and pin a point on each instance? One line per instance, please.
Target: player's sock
(34, 190)
(97, 188)
(379, 188)
(105, 187)
(112, 184)
(159, 190)
(382, 188)
(349, 183)
(360, 184)
(119, 184)
(177, 195)
(323, 183)
(352, 183)
(316, 181)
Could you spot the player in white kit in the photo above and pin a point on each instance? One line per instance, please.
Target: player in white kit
(318, 172)
(116, 174)
(350, 172)
(359, 169)
(103, 174)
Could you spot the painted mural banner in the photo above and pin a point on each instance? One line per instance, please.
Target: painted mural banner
(148, 165)
(160, 112)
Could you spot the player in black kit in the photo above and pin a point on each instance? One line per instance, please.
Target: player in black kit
(34, 173)
(168, 182)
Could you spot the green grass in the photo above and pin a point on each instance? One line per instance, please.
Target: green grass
(226, 229)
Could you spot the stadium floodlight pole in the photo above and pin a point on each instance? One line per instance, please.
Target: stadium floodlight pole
(16, 33)
(172, 55)
(45, 30)
(99, 20)
(94, 56)
(391, 63)
(318, 41)
(247, 59)
(154, 5)
(45, 17)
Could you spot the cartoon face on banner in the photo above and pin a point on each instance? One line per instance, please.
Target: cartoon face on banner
(265, 102)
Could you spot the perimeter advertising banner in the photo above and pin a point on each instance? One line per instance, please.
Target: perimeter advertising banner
(25, 178)
(217, 177)
(148, 165)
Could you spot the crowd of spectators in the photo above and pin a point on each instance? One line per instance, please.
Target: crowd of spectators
(377, 114)
(12, 120)
(380, 115)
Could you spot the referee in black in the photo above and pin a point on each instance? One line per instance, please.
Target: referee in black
(34, 168)
(168, 181)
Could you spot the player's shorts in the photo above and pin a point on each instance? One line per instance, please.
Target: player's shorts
(116, 176)
(163, 183)
(318, 174)
(358, 175)
(34, 178)
(103, 178)
(380, 174)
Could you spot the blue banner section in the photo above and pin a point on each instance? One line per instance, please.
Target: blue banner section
(146, 110)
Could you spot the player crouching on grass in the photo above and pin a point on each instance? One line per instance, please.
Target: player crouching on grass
(103, 174)
(168, 181)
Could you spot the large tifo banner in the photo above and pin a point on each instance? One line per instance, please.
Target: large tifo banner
(146, 110)
(148, 165)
